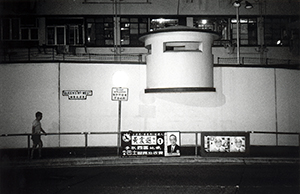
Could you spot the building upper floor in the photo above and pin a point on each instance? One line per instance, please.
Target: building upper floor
(115, 26)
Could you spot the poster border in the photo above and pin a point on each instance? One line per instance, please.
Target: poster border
(226, 154)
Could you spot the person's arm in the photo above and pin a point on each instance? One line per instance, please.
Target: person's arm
(32, 130)
(43, 131)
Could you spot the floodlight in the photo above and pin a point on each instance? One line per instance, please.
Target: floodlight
(248, 5)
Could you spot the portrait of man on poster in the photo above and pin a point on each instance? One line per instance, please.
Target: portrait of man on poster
(173, 148)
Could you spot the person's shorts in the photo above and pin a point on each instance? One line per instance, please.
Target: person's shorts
(36, 139)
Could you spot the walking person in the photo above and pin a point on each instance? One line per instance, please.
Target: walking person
(36, 134)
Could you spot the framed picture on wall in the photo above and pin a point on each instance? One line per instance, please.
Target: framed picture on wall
(225, 144)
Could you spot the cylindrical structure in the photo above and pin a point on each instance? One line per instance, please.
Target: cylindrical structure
(180, 60)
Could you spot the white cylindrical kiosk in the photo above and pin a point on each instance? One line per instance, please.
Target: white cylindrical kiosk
(180, 59)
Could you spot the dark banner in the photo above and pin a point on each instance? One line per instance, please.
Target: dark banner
(150, 144)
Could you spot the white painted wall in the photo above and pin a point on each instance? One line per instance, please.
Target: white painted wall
(99, 112)
(26, 89)
(244, 100)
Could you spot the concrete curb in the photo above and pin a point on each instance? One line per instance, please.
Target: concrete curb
(118, 161)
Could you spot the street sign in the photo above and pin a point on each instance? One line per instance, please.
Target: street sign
(77, 94)
(119, 94)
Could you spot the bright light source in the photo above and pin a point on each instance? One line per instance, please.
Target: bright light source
(161, 20)
(120, 79)
(237, 3)
(279, 42)
(248, 5)
(204, 22)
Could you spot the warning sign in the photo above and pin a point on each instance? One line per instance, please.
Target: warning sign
(119, 94)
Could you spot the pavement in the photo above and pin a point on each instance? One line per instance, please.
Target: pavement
(133, 161)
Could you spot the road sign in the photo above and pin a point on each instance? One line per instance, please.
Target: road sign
(119, 94)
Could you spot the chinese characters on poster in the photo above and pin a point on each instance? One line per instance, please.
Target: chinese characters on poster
(150, 144)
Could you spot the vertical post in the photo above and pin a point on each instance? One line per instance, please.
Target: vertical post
(275, 99)
(299, 144)
(53, 56)
(196, 143)
(28, 145)
(238, 35)
(119, 126)
(59, 110)
(86, 143)
(28, 53)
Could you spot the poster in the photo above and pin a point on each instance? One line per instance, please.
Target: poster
(150, 144)
(172, 145)
(225, 144)
(142, 143)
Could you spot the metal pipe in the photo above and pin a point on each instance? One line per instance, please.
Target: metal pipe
(275, 96)
(28, 145)
(86, 143)
(119, 125)
(196, 144)
(238, 35)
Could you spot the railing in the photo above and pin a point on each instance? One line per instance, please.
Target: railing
(56, 54)
(195, 144)
(257, 61)
(59, 53)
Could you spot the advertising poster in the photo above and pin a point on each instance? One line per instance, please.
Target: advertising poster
(142, 143)
(150, 144)
(172, 144)
(225, 143)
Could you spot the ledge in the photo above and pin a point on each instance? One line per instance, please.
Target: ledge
(180, 90)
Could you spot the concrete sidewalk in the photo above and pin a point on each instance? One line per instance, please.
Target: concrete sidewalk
(119, 161)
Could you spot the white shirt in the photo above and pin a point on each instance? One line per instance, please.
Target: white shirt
(37, 127)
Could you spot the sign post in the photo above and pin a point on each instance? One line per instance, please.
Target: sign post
(119, 125)
(119, 94)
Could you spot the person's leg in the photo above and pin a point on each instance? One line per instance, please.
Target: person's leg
(40, 149)
(32, 150)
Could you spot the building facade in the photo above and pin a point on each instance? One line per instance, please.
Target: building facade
(53, 49)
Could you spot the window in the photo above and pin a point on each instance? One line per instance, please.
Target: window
(75, 35)
(132, 29)
(60, 35)
(149, 49)
(248, 31)
(100, 31)
(15, 29)
(280, 31)
(10, 28)
(56, 35)
(51, 35)
(6, 26)
(159, 23)
(216, 24)
(183, 46)
(29, 29)
(19, 29)
(65, 31)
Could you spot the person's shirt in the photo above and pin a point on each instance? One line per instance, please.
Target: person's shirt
(37, 127)
(173, 148)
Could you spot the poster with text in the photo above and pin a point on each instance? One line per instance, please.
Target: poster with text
(142, 144)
